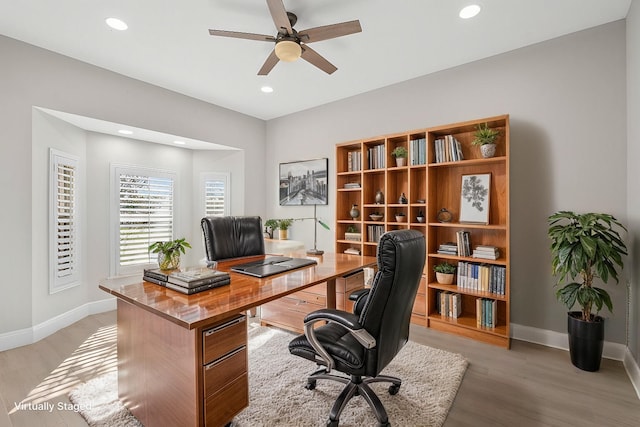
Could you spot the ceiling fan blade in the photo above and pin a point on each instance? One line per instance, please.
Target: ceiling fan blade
(279, 15)
(268, 65)
(329, 31)
(314, 58)
(239, 35)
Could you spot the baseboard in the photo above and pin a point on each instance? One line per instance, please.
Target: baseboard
(633, 370)
(560, 340)
(42, 330)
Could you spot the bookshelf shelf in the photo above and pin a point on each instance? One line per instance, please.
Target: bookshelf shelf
(428, 187)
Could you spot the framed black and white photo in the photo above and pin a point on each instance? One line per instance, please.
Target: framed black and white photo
(304, 182)
(474, 198)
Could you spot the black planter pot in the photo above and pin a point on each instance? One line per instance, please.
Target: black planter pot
(586, 340)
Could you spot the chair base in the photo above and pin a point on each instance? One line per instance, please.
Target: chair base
(356, 386)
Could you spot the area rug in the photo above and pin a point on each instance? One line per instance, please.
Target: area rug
(430, 381)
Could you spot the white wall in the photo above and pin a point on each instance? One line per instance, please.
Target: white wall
(566, 100)
(633, 174)
(30, 76)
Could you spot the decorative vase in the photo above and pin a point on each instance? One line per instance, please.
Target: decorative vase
(586, 341)
(403, 199)
(379, 199)
(399, 218)
(354, 212)
(444, 278)
(170, 262)
(488, 150)
(400, 161)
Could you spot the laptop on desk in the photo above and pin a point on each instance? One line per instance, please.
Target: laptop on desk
(272, 265)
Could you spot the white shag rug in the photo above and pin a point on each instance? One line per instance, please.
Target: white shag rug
(430, 381)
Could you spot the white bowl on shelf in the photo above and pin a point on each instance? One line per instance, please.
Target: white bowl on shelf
(376, 217)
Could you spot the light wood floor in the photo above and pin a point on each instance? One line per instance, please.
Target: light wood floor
(529, 385)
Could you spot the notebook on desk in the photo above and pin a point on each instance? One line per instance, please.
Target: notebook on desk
(271, 266)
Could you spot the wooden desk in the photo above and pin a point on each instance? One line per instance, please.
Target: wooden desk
(177, 352)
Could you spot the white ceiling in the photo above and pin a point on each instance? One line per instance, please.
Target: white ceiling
(168, 44)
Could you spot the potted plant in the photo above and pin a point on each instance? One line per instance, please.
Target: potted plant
(486, 137)
(400, 153)
(420, 216)
(281, 224)
(445, 273)
(400, 216)
(585, 246)
(169, 252)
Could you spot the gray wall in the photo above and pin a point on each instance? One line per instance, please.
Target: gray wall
(30, 76)
(567, 103)
(633, 175)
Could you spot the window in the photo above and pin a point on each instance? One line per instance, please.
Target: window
(63, 221)
(145, 214)
(215, 191)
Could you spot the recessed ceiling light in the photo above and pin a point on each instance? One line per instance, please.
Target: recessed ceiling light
(266, 89)
(469, 11)
(179, 142)
(116, 24)
(125, 131)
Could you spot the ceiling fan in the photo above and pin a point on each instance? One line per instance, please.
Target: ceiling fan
(292, 44)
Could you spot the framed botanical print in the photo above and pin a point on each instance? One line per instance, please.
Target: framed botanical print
(474, 198)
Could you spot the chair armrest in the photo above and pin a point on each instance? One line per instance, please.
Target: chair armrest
(356, 295)
(346, 319)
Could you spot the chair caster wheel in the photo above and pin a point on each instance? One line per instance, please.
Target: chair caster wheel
(331, 423)
(393, 390)
(311, 385)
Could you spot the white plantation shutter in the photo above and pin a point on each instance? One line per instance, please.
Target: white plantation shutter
(63, 221)
(145, 215)
(216, 194)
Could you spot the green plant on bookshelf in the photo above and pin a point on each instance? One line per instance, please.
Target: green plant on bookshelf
(400, 153)
(445, 273)
(587, 247)
(169, 252)
(486, 137)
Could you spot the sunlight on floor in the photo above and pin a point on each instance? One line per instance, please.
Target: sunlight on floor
(96, 355)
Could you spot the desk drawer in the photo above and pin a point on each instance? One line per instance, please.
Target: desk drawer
(221, 407)
(223, 371)
(223, 338)
(348, 283)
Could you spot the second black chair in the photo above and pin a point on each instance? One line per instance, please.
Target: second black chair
(363, 343)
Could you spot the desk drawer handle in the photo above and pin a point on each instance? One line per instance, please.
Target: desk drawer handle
(225, 357)
(224, 325)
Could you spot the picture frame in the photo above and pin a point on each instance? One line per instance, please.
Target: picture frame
(475, 193)
(304, 182)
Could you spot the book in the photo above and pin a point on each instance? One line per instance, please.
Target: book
(155, 280)
(195, 278)
(201, 288)
(352, 251)
(156, 273)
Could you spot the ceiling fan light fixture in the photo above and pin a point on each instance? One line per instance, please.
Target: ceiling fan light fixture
(288, 51)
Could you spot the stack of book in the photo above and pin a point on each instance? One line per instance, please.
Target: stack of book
(486, 314)
(486, 252)
(449, 304)
(190, 281)
(449, 248)
(351, 185)
(352, 251)
(448, 149)
(464, 243)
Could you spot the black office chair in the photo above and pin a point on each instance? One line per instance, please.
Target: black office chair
(230, 237)
(363, 343)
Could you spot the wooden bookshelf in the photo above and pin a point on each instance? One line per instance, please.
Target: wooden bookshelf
(429, 187)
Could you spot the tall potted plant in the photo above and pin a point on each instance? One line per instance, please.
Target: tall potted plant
(585, 247)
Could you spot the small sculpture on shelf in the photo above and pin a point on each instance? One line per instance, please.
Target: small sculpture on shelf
(403, 199)
(400, 216)
(444, 215)
(354, 212)
(379, 199)
(420, 216)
